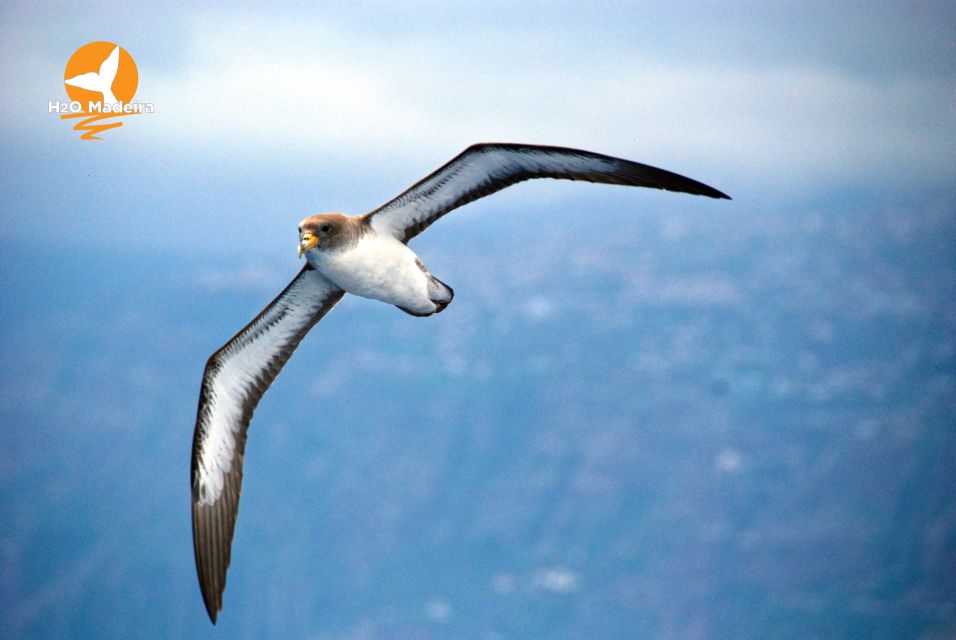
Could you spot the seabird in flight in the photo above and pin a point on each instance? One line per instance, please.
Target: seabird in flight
(366, 255)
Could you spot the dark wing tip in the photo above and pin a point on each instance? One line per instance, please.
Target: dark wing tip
(643, 175)
(211, 610)
(211, 584)
(208, 565)
(213, 528)
(694, 188)
(710, 192)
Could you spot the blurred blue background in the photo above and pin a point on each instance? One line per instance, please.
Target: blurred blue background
(646, 415)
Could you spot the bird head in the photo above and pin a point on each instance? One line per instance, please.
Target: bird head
(324, 231)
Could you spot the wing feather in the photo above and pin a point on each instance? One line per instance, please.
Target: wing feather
(235, 379)
(483, 169)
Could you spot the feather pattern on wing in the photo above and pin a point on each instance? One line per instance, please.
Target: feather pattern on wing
(236, 377)
(483, 169)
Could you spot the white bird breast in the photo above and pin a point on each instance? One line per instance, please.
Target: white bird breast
(378, 267)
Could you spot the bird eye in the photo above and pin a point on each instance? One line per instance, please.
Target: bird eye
(325, 228)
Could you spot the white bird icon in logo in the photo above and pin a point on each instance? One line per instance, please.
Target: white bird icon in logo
(101, 81)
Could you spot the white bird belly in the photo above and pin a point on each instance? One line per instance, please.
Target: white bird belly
(379, 268)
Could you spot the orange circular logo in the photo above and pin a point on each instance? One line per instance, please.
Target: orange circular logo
(101, 72)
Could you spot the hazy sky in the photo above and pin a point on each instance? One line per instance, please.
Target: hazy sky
(265, 113)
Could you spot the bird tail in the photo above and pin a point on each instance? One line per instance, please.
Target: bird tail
(439, 293)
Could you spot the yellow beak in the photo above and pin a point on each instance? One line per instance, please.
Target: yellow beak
(307, 242)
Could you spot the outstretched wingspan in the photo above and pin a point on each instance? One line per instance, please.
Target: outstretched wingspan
(483, 169)
(236, 377)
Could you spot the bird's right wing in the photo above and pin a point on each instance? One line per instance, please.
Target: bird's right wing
(236, 377)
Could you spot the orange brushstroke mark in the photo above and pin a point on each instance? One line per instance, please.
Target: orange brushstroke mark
(91, 130)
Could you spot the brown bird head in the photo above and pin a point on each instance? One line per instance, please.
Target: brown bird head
(328, 231)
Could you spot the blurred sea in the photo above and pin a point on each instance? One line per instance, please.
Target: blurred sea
(649, 424)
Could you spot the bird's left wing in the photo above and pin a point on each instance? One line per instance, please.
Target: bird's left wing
(235, 379)
(483, 169)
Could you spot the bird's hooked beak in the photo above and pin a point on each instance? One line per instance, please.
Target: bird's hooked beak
(307, 242)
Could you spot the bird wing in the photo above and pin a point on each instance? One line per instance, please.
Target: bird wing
(483, 169)
(110, 66)
(236, 377)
